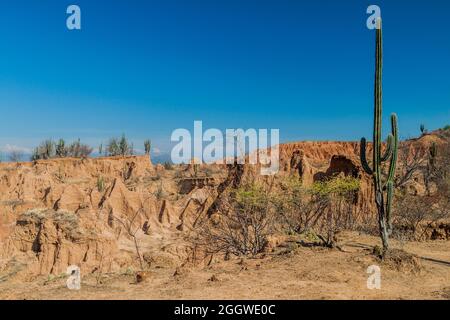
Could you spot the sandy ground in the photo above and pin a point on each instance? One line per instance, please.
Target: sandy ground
(290, 273)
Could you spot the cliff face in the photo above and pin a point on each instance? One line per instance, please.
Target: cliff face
(318, 161)
(43, 203)
(70, 211)
(88, 212)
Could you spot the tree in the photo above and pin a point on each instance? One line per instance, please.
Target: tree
(16, 156)
(132, 230)
(243, 226)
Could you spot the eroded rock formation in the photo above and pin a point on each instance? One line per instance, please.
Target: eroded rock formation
(92, 212)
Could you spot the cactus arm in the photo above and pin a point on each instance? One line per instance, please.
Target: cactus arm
(390, 193)
(433, 154)
(388, 151)
(363, 157)
(393, 163)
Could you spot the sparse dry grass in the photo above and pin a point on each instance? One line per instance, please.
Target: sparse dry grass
(67, 221)
(304, 273)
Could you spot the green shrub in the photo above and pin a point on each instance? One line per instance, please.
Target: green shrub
(323, 208)
(159, 193)
(119, 147)
(340, 186)
(168, 166)
(251, 197)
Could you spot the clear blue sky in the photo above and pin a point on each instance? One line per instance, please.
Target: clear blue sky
(145, 68)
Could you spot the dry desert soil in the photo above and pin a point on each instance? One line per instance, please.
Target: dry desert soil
(291, 272)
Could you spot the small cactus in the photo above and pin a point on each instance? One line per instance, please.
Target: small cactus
(100, 184)
(147, 146)
(423, 130)
(433, 150)
(61, 150)
(433, 154)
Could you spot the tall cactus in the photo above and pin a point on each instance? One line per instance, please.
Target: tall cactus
(383, 189)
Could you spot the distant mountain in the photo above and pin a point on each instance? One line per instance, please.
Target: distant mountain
(161, 158)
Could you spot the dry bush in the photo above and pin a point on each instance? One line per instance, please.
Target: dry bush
(168, 165)
(252, 212)
(78, 150)
(49, 150)
(132, 228)
(64, 220)
(160, 193)
(295, 211)
(325, 208)
(415, 214)
(244, 225)
(16, 156)
(45, 150)
(440, 169)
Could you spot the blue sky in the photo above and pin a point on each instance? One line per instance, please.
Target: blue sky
(145, 68)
